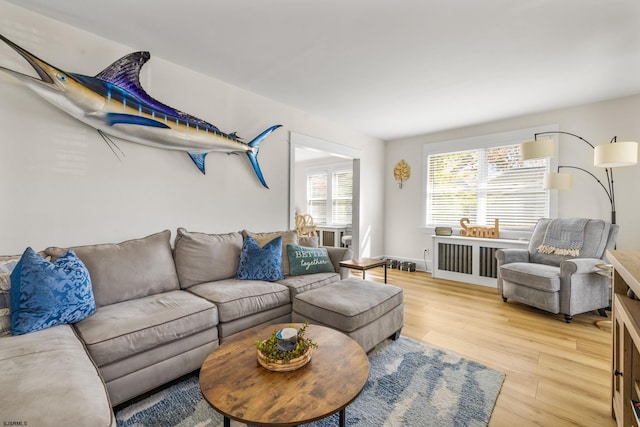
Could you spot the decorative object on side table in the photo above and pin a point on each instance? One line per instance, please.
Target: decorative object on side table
(285, 350)
(401, 172)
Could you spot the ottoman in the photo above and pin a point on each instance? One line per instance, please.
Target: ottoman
(369, 312)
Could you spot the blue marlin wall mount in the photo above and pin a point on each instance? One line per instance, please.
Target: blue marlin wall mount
(114, 103)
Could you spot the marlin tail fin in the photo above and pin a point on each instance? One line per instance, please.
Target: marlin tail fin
(253, 155)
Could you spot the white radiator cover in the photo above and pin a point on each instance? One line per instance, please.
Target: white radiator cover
(331, 236)
(469, 259)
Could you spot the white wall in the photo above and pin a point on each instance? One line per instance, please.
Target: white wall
(597, 123)
(61, 185)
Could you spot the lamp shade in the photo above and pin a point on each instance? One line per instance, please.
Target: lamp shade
(616, 154)
(557, 181)
(538, 149)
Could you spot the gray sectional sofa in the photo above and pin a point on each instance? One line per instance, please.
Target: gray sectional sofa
(160, 312)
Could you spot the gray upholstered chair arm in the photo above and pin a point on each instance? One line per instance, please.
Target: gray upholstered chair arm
(507, 256)
(575, 278)
(340, 254)
(579, 265)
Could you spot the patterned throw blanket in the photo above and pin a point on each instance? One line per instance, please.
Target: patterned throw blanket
(564, 237)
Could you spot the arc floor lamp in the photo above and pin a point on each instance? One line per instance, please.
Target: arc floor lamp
(607, 156)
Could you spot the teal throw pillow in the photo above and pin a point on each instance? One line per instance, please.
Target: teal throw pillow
(304, 260)
(45, 294)
(260, 263)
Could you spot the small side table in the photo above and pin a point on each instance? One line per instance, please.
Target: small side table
(605, 270)
(364, 264)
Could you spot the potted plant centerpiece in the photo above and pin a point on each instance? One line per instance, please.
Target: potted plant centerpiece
(286, 349)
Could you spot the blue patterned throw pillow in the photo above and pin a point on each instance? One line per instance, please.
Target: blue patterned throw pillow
(45, 294)
(260, 263)
(303, 260)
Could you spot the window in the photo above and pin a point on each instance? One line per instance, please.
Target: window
(484, 184)
(317, 197)
(329, 195)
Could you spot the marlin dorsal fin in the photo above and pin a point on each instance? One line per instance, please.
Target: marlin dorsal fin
(125, 72)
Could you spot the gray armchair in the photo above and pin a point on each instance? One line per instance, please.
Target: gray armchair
(558, 283)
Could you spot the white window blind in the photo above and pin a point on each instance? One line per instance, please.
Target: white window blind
(329, 195)
(317, 197)
(485, 184)
(342, 193)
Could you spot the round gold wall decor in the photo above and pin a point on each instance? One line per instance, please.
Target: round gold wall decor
(401, 172)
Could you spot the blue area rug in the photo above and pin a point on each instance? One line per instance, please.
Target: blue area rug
(410, 384)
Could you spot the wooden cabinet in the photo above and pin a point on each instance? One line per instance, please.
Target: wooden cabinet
(626, 336)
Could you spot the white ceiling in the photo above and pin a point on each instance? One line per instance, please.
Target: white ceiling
(388, 68)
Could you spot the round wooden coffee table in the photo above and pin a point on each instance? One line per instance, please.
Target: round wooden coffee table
(239, 388)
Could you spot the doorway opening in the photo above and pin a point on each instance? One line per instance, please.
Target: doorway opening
(307, 153)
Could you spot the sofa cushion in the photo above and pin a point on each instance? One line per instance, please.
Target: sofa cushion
(260, 263)
(145, 365)
(7, 265)
(288, 237)
(308, 241)
(202, 257)
(121, 330)
(539, 276)
(307, 282)
(49, 380)
(127, 270)
(303, 260)
(46, 294)
(239, 298)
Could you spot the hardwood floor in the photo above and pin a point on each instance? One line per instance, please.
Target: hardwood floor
(557, 374)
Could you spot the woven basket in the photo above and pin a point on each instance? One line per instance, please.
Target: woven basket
(282, 366)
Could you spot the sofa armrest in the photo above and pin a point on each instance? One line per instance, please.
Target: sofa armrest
(339, 254)
(581, 288)
(579, 265)
(507, 256)
(54, 365)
